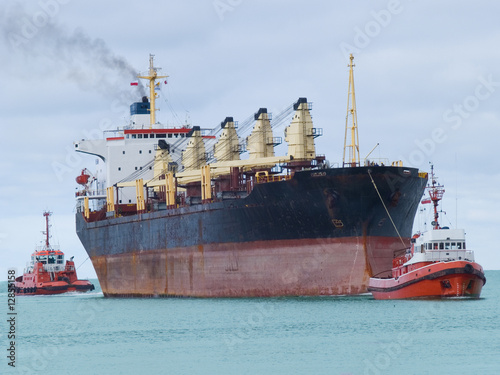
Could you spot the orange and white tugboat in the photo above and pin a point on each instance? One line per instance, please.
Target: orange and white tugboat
(47, 273)
(437, 265)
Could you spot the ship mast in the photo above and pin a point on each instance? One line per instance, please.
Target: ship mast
(436, 193)
(47, 236)
(353, 153)
(152, 76)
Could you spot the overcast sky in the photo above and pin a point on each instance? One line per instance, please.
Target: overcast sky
(427, 84)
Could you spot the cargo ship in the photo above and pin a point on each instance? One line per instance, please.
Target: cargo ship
(438, 264)
(47, 273)
(177, 211)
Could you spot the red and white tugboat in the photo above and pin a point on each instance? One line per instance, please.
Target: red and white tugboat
(47, 273)
(437, 265)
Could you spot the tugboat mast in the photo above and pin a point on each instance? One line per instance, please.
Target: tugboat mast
(436, 193)
(152, 76)
(47, 236)
(353, 158)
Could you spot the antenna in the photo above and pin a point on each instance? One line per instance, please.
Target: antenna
(47, 226)
(436, 193)
(353, 158)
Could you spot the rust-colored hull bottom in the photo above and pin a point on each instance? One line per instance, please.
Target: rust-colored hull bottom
(257, 269)
(457, 279)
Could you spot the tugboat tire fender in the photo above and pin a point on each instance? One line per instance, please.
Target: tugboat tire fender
(468, 268)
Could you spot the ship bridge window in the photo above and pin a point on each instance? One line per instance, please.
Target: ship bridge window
(127, 136)
(435, 246)
(182, 135)
(453, 246)
(139, 135)
(134, 135)
(170, 136)
(161, 135)
(59, 257)
(441, 246)
(459, 245)
(52, 259)
(447, 246)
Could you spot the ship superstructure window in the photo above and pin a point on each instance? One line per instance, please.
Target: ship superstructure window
(123, 152)
(161, 135)
(139, 135)
(149, 151)
(170, 136)
(441, 246)
(134, 135)
(119, 168)
(140, 151)
(459, 245)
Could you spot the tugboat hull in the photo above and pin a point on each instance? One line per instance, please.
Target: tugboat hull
(457, 279)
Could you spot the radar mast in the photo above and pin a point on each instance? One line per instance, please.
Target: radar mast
(351, 127)
(152, 76)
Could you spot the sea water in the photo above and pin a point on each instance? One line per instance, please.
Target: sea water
(89, 334)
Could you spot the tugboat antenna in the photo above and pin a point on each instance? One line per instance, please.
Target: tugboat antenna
(47, 235)
(152, 76)
(353, 159)
(436, 193)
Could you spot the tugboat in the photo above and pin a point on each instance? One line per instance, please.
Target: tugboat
(47, 273)
(437, 265)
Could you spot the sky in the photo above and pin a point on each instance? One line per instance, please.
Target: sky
(427, 79)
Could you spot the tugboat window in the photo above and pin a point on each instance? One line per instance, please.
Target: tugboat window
(459, 245)
(441, 246)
